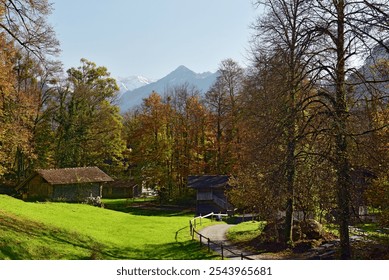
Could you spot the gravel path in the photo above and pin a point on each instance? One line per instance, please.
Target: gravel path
(217, 234)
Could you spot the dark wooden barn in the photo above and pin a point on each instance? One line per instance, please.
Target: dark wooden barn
(67, 184)
(210, 193)
(121, 189)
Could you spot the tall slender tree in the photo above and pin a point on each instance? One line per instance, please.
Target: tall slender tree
(284, 32)
(223, 102)
(348, 30)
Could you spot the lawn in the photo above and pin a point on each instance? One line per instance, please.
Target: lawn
(75, 231)
(245, 231)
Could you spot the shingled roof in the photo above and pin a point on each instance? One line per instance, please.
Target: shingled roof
(78, 175)
(207, 181)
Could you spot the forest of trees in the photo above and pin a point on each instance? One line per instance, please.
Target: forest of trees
(292, 130)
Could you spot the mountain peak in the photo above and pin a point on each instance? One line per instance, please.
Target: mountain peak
(132, 82)
(182, 68)
(181, 75)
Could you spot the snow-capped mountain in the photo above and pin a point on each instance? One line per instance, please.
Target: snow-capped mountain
(180, 76)
(132, 82)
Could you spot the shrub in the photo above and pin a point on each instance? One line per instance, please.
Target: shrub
(94, 201)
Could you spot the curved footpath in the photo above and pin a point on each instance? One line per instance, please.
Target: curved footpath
(217, 234)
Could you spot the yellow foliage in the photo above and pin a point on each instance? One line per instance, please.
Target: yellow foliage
(15, 110)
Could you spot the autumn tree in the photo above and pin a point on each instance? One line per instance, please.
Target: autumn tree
(168, 139)
(25, 22)
(189, 124)
(222, 101)
(9, 140)
(17, 116)
(375, 152)
(146, 135)
(25, 38)
(283, 37)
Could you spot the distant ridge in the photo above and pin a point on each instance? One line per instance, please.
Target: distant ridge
(179, 76)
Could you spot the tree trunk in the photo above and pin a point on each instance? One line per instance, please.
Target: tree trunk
(290, 179)
(341, 113)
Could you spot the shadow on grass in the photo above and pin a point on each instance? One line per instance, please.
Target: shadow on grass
(22, 239)
(188, 250)
(147, 208)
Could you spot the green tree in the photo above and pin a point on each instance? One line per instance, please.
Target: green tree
(89, 126)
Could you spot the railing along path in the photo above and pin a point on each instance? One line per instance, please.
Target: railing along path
(204, 240)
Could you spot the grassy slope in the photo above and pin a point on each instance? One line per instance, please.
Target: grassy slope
(74, 231)
(245, 231)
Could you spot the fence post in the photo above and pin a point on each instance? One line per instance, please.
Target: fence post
(201, 240)
(201, 220)
(191, 229)
(241, 256)
(209, 245)
(222, 251)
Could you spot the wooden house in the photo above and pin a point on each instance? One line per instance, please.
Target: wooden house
(67, 184)
(210, 193)
(121, 189)
(361, 179)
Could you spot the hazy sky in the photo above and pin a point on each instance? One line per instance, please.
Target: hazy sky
(152, 37)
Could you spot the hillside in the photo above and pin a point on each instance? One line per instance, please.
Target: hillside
(75, 231)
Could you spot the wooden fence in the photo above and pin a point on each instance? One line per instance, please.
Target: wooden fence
(209, 243)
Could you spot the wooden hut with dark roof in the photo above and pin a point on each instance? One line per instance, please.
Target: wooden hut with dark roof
(210, 195)
(66, 184)
(122, 189)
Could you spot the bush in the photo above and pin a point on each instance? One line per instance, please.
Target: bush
(378, 197)
(94, 201)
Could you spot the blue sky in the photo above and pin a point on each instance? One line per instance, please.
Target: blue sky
(152, 37)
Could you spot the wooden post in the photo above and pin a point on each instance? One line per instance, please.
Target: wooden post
(222, 249)
(201, 241)
(191, 229)
(241, 256)
(209, 245)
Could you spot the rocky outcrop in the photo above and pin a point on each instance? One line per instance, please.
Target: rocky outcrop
(302, 230)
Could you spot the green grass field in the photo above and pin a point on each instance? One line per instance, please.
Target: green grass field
(245, 231)
(75, 231)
